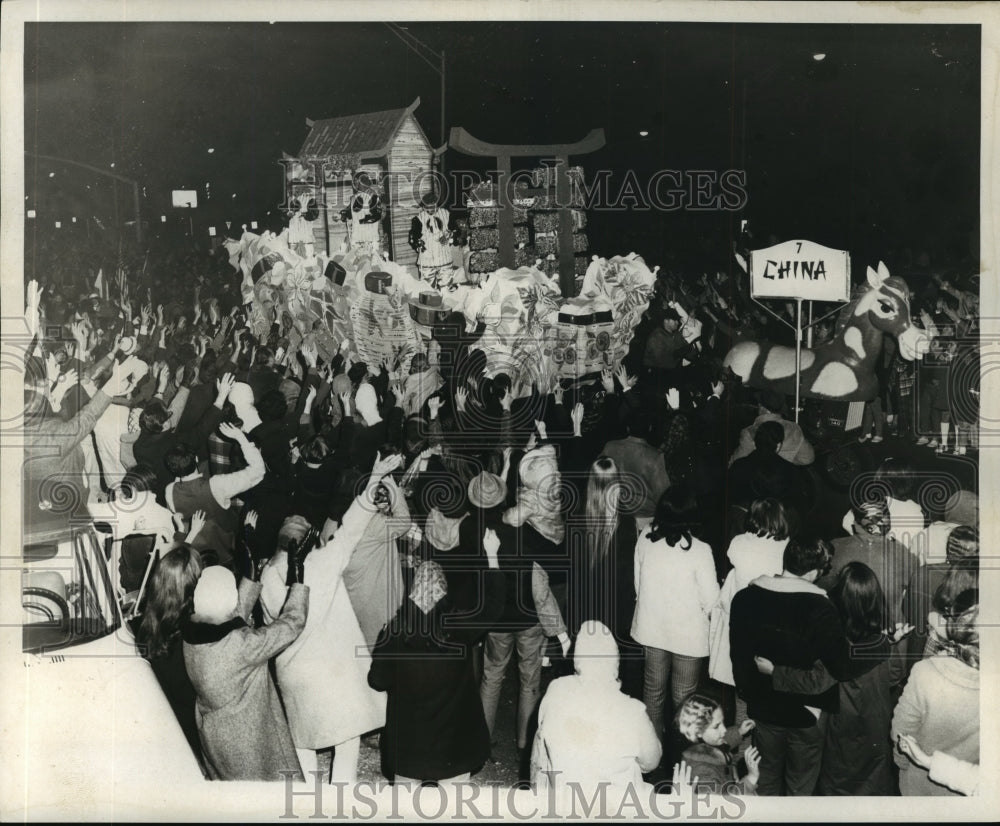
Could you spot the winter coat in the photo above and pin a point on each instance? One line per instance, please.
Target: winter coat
(373, 576)
(940, 710)
(589, 732)
(644, 473)
(791, 622)
(243, 731)
(435, 727)
(679, 622)
(893, 565)
(323, 675)
(857, 753)
(795, 448)
(751, 556)
(716, 770)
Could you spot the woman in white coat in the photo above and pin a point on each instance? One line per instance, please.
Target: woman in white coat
(323, 675)
(675, 588)
(757, 552)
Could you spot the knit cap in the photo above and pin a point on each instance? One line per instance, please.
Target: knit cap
(215, 595)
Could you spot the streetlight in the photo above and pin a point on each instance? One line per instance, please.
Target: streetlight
(415, 45)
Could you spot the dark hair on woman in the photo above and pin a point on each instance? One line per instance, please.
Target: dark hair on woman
(675, 520)
(357, 372)
(169, 599)
(181, 460)
(138, 479)
(860, 601)
(448, 492)
(958, 591)
(154, 417)
(389, 449)
(315, 450)
(768, 517)
(962, 632)
(804, 555)
(957, 601)
(899, 477)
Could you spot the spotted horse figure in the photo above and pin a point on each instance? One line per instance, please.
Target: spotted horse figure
(842, 369)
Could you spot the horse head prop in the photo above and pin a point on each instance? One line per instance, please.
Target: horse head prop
(842, 369)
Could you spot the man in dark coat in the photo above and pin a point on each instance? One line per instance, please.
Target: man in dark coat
(764, 474)
(790, 621)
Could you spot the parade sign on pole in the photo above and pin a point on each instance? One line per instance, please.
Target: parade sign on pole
(801, 270)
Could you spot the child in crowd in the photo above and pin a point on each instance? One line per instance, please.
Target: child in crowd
(713, 755)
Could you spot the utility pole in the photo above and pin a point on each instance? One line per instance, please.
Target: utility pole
(429, 56)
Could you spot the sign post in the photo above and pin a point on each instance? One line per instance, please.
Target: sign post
(798, 352)
(803, 271)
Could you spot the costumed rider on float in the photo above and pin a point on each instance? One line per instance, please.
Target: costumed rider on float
(430, 238)
(364, 216)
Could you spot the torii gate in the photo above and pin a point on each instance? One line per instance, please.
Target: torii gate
(468, 145)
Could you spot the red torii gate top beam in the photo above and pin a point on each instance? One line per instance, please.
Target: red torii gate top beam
(561, 152)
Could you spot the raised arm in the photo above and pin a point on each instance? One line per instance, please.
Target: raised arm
(229, 485)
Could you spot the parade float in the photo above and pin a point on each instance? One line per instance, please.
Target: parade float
(346, 267)
(529, 330)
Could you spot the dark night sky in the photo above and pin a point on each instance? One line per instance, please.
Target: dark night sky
(874, 149)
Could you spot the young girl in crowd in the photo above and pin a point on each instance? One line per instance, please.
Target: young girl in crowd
(714, 755)
(676, 587)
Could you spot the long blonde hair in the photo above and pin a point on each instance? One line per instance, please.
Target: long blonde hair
(603, 497)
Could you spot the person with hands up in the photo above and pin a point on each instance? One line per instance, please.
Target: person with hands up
(241, 724)
(330, 658)
(57, 392)
(32, 310)
(53, 445)
(626, 381)
(191, 492)
(373, 576)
